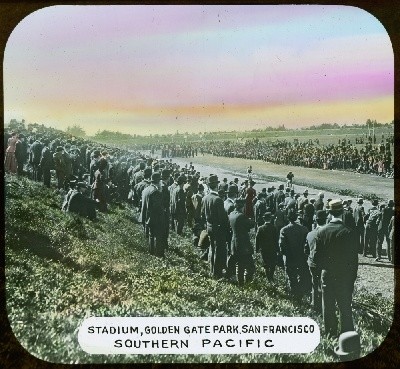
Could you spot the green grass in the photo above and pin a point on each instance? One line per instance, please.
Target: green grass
(61, 269)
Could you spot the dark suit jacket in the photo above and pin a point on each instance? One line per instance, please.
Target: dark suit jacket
(336, 250)
(241, 225)
(152, 207)
(213, 211)
(267, 241)
(178, 203)
(291, 243)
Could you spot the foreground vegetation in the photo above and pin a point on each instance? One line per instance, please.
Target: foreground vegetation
(61, 269)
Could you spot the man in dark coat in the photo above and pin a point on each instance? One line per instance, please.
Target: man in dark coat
(383, 229)
(291, 244)
(79, 203)
(309, 250)
(308, 214)
(358, 215)
(216, 221)
(178, 205)
(336, 256)
(279, 196)
(372, 219)
(241, 247)
(152, 215)
(229, 206)
(34, 159)
(21, 153)
(46, 163)
(267, 242)
(166, 198)
(319, 203)
(260, 208)
(348, 218)
(139, 187)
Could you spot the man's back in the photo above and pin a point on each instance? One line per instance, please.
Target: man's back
(336, 249)
(213, 210)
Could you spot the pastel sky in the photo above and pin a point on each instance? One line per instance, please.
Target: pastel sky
(158, 69)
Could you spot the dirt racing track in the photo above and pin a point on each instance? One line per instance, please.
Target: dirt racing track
(376, 277)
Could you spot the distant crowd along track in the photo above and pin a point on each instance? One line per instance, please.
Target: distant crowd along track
(343, 184)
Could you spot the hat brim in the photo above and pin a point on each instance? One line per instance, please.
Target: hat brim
(341, 353)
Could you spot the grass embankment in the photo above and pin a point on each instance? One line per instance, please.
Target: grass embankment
(61, 269)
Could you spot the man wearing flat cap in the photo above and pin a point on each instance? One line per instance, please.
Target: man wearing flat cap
(152, 215)
(336, 255)
(241, 247)
(267, 238)
(216, 220)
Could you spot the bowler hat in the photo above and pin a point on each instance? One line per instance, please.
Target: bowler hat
(336, 204)
(213, 179)
(390, 203)
(81, 185)
(267, 216)
(273, 187)
(232, 190)
(165, 174)
(156, 177)
(181, 180)
(239, 203)
(349, 345)
(147, 172)
(281, 187)
(305, 192)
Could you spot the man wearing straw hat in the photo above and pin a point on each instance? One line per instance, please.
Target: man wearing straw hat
(336, 255)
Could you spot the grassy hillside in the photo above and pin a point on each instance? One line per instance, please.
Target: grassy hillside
(61, 269)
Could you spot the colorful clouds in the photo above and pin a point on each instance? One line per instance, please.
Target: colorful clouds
(163, 67)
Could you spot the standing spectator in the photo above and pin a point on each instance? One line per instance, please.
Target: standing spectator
(308, 214)
(371, 229)
(241, 247)
(309, 250)
(165, 175)
(229, 206)
(260, 209)
(291, 243)
(34, 159)
(267, 238)
(10, 161)
(383, 229)
(319, 203)
(336, 256)
(359, 214)
(250, 196)
(391, 238)
(152, 215)
(21, 153)
(99, 186)
(178, 205)
(348, 218)
(46, 163)
(280, 196)
(216, 220)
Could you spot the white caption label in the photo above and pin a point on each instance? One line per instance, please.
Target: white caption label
(198, 335)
